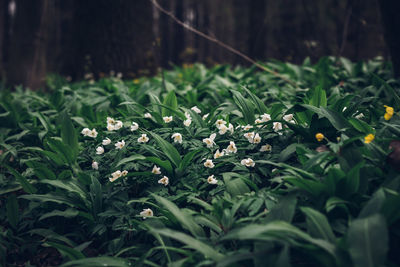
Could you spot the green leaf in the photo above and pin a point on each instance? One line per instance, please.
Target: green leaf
(62, 150)
(98, 261)
(166, 164)
(12, 210)
(368, 241)
(318, 98)
(69, 185)
(337, 120)
(206, 250)
(277, 231)
(131, 158)
(68, 134)
(318, 225)
(353, 179)
(187, 159)
(68, 213)
(284, 210)
(169, 101)
(28, 188)
(244, 106)
(185, 219)
(256, 101)
(389, 90)
(235, 186)
(168, 149)
(361, 126)
(66, 251)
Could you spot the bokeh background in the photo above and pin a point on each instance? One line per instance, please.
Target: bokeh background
(76, 37)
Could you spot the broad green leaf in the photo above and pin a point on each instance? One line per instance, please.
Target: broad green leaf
(244, 106)
(98, 261)
(368, 241)
(65, 152)
(184, 218)
(130, 158)
(374, 205)
(168, 149)
(353, 179)
(337, 120)
(234, 184)
(389, 90)
(66, 251)
(166, 164)
(256, 101)
(196, 244)
(318, 98)
(361, 126)
(28, 187)
(187, 159)
(284, 210)
(68, 133)
(68, 213)
(318, 225)
(169, 101)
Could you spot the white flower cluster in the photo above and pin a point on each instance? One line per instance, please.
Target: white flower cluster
(164, 180)
(143, 139)
(168, 119)
(117, 174)
(253, 138)
(134, 126)
(221, 126)
(146, 213)
(113, 125)
(91, 133)
(177, 138)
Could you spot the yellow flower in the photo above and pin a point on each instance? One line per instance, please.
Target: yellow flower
(369, 138)
(388, 116)
(319, 137)
(389, 110)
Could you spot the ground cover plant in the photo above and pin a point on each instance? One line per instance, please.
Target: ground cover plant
(205, 167)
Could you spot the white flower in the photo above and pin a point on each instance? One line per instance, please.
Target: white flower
(209, 164)
(257, 121)
(93, 133)
(249, 136)
(177, 138)
(212, 180)
(230, 128)
(143, 139)
(196, 109)
(110, 127)
(115, 175)
(110, 120)
(85, 131)
(231, 147)
(106, 141)
(156, 170)
(95, 165)
(99, 150)
(167, 119)
(247, 127)
(222, 129)
(187, 122)
(187, 115)
(210, 141)
(124, 173)
(147, 115)
(205, 116)
(164, 181)
(134, 126)
(288, 117)
(256, 139)
(120, 145)
(146, 213)
(118, 125)
(265, 117)
(248, 162)
(359, 116)
(218, 154)
(277, 126)
(266, 147)
(220, 122)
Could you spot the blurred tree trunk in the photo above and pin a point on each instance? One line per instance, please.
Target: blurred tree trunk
(391, 21)
(114, 35)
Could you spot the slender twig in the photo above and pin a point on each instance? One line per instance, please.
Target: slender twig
(218, 42)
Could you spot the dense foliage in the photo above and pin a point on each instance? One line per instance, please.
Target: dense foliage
(204, 167)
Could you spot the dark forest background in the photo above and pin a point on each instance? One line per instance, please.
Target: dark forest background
(75, 37)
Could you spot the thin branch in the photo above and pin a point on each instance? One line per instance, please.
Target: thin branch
(218, 42)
